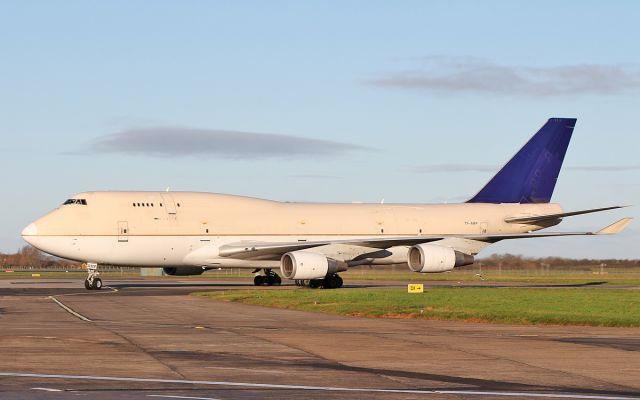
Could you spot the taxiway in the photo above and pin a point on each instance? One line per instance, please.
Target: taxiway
(151, 339)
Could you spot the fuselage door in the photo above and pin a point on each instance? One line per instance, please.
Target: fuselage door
(169, 205)
(484, 227)
(123, 231)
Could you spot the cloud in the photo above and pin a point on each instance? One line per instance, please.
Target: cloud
(471, 75)
(179, 141)
(452, 168)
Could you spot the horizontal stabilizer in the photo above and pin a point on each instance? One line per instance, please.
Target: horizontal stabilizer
(528, 219)
(616, 227)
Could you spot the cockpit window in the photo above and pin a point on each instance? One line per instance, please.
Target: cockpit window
(75, 201)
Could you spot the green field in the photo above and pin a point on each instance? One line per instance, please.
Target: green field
(127, 274)
(595, 307)
(611, 276)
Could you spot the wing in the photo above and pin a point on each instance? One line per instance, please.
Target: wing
(274, 250)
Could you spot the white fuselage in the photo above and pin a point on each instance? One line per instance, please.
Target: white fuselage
(160, 229)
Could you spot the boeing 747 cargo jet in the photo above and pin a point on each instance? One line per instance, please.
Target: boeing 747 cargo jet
(187, 233)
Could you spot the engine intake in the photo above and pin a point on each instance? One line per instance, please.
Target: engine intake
(308, 265)
(433, 258)
(183, 271)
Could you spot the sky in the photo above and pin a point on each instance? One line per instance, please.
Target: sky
(330, 101)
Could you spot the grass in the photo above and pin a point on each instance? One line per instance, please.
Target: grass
(628, 276)
(593, 307)
(78, 274)
(58, 274)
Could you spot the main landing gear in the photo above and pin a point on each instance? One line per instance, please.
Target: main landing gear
(269, 278)
(93, 282)
(332, 281)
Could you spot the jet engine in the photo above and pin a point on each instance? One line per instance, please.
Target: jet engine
(434, 258)
(308, 265)
(183, 271)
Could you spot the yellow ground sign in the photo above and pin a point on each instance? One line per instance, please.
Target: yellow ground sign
(35, 275)
(415, 288)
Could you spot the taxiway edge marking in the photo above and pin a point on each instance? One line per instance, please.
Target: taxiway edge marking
(47, 389)
(319, 388)
(166, 396)
(69, 310)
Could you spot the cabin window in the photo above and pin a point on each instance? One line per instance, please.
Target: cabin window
(160, 204)
(75, 201)
(178, 204)
(134, 204)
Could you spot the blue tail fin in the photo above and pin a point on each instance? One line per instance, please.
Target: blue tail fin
(531, 175)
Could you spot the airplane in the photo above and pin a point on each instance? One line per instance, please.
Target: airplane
(187, 233)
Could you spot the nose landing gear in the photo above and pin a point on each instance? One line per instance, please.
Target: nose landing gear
(93, 282)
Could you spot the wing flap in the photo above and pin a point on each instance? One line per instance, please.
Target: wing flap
(256, 250)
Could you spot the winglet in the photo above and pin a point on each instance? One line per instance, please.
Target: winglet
(616, 227)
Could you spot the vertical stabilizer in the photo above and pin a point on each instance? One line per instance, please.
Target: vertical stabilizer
(531, 175)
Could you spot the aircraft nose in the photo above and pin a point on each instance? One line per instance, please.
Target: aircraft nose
(30, 230)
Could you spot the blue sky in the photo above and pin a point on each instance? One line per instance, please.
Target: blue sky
(388, 93)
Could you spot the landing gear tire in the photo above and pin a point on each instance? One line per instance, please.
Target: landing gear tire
(97, 284)
(316, 283)
(274, 280)
(269, 278)
(333, 282)
(93, 282)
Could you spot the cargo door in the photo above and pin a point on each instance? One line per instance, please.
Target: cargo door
(123, 231)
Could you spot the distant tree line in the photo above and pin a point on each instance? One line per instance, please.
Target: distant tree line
(513, 261)
(29, 256)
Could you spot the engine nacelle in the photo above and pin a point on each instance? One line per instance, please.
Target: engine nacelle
(183, 271)
(434, 258)
(308, 265)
